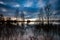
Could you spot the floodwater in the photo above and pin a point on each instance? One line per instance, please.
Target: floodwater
(28, 32)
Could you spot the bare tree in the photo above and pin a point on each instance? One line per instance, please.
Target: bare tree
(48, 11)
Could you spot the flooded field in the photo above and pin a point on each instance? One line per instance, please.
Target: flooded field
(26, 32)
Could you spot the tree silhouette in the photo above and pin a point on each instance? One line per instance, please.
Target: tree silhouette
(48, 11)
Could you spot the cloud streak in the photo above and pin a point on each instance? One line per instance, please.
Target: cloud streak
(40, 4)
(1, 2)
(30, 6)
(28, 3)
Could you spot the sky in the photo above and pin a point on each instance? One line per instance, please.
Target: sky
(31, 8)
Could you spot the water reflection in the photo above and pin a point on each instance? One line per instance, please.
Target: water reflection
(26, 32)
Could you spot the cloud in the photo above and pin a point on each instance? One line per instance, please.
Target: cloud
(40, 4)
(10, 14)
(14, 4)
(3, 9)
(54, 12)
(32, 15)
(53, 1)
(29, 6)
(1, 2)
(28, 16)
(28, 3)
(25, 12)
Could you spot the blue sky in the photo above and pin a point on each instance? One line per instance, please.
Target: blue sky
(31, 8)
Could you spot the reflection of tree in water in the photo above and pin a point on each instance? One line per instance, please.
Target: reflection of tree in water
(1, 18)
(13, 32)
(30, 32)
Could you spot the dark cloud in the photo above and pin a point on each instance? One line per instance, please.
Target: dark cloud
(30, 6)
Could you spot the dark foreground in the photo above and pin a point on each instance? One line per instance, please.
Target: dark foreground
(29, 32)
